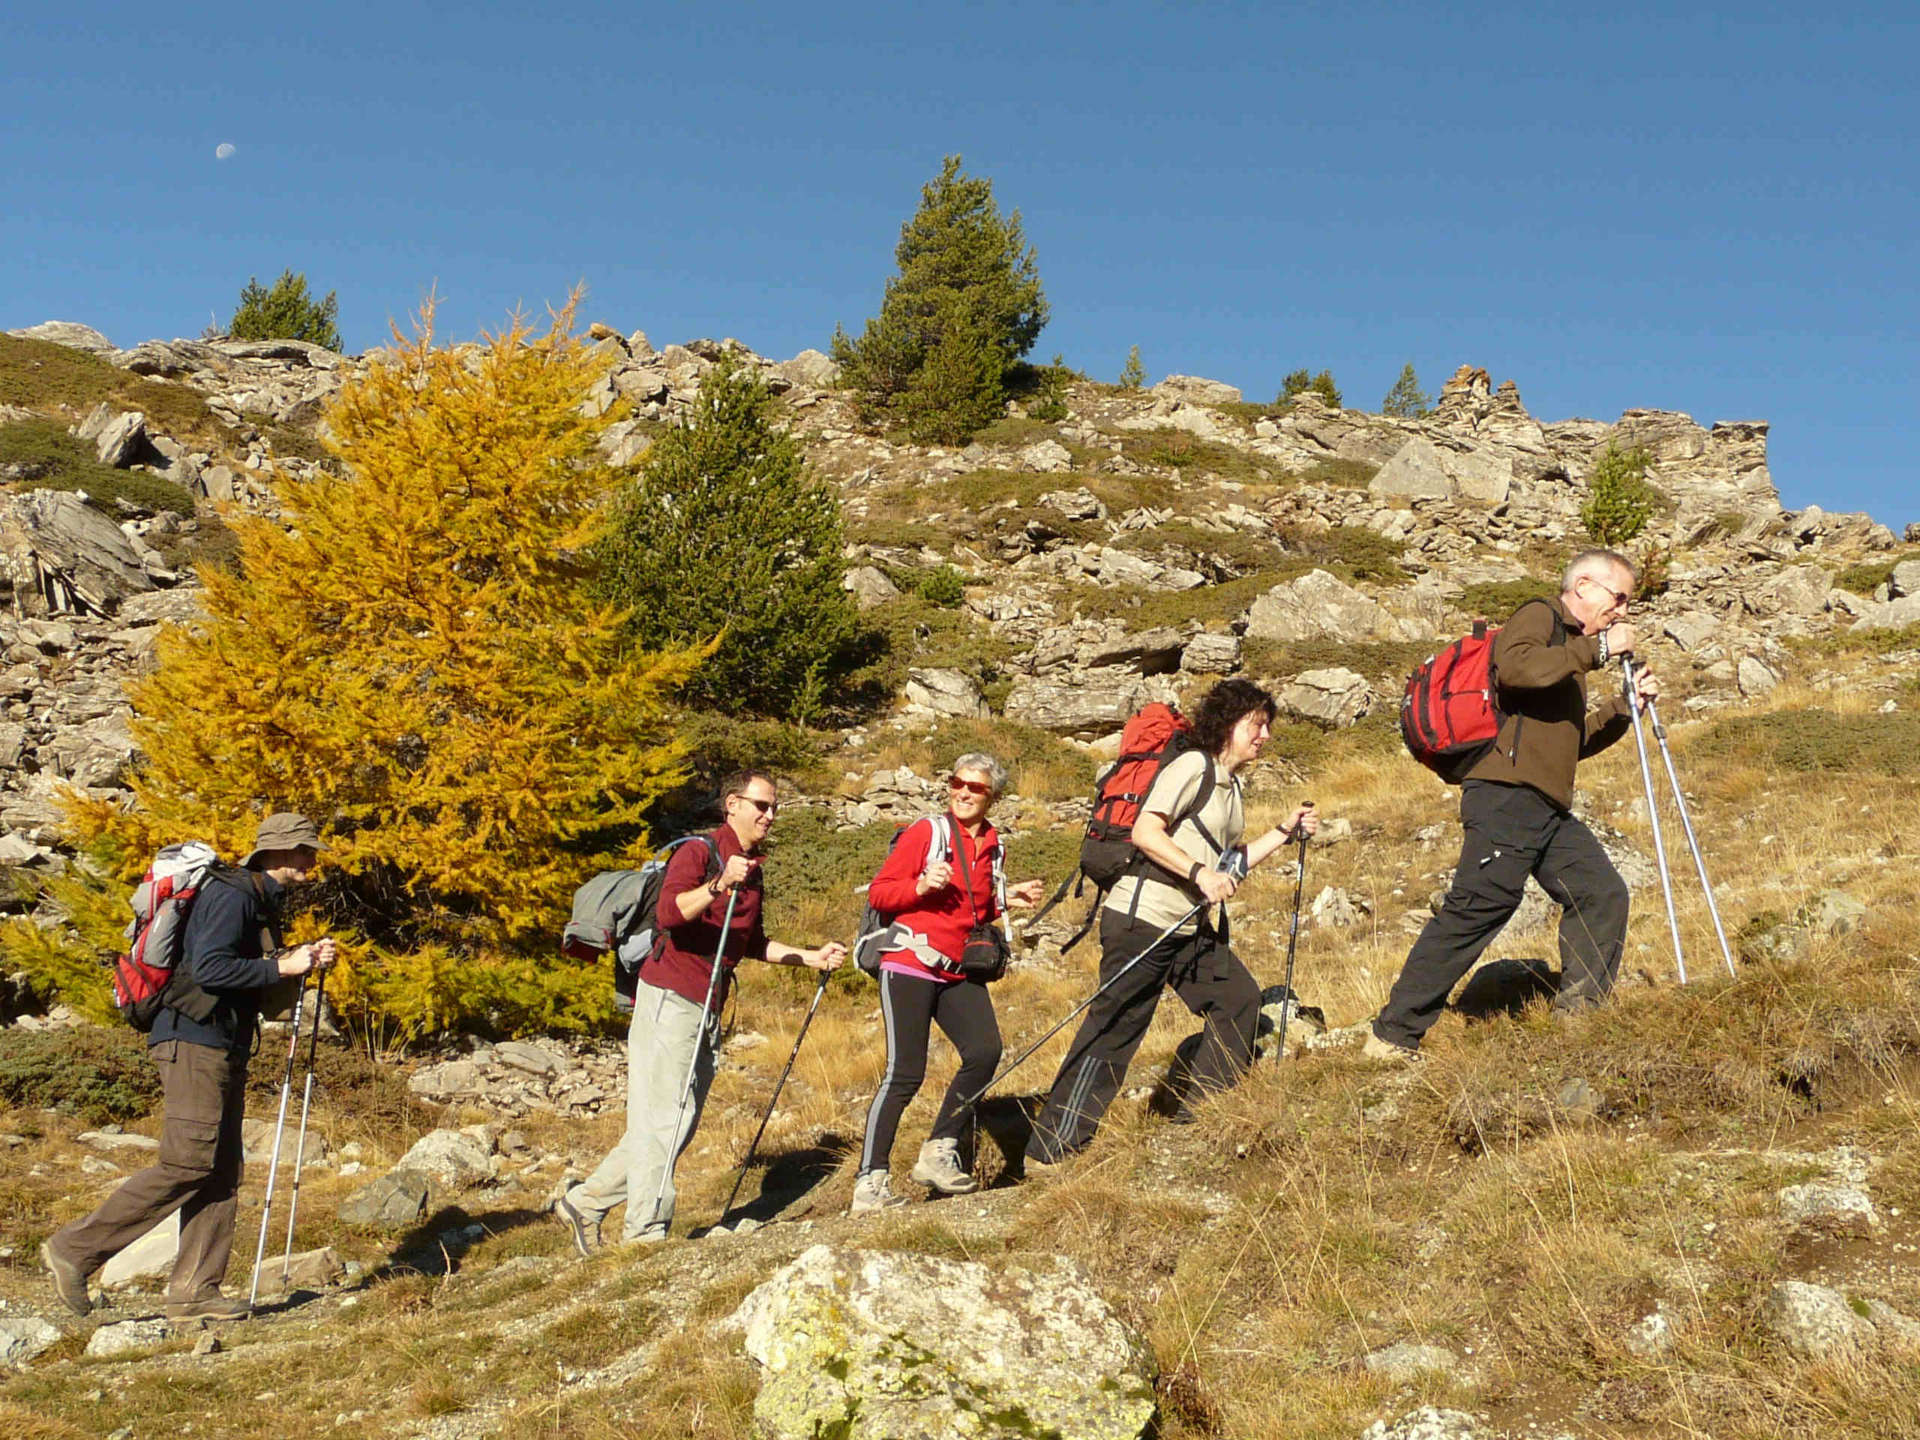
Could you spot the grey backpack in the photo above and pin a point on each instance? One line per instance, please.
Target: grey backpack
(614, 912)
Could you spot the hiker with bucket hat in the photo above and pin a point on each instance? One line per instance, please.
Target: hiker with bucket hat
(201, 1041)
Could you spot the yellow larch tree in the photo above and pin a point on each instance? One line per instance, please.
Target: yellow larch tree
(411, 656)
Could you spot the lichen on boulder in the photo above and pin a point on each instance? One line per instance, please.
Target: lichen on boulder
(892, 1346)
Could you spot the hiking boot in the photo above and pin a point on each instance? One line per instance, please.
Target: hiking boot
(874, 1191)
(69, 1281)
(585, 1232)
(208, 1307)
(1378, 1049)
(939, 1168)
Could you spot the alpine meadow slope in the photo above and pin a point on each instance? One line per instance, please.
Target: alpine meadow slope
(1597, 1226)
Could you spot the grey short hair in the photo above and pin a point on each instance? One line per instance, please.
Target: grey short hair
(1590, 563)
(995, 772)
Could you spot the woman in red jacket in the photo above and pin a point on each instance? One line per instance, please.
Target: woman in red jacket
(938, 884)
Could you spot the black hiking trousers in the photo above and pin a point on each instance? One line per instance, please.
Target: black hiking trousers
(1204, 973)
(1513, 831)
(910, 1007)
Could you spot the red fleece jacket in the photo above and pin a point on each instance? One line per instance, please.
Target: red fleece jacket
(945, 915)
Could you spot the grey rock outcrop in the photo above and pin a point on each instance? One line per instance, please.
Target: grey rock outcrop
(393, 1202)
(1095, 704)
(23, 1337)
(117, 436)
(452, 1158)
(1829, 1208)
(1334, 697)
(1814, 1322)
(1198, 390)
(148, 1258)
(69, 333)
(915, 1345)
(1414, 473)
(129, 1337)
(935, 691)
(1318, 606)
(64, 557)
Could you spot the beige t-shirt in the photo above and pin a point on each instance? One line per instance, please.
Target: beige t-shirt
(1160, 902)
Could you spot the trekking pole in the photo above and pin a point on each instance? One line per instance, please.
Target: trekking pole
(306, 1103)
(1653, 813)
(279, 1130)
(693, 1061)
(779, 1085)
(1105, 985)
(1293, 939)
(1686, 823)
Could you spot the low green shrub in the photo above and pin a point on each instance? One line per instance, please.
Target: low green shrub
(43, 456)
(1865, 578)
(1818, 741)
(97, 1073)
(1497, 599)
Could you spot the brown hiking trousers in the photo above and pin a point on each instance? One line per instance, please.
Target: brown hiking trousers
(198, 1174)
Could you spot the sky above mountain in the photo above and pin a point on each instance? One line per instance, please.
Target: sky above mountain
(1692, 207)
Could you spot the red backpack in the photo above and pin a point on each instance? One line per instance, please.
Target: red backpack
(1155, 735)
(1450, 715)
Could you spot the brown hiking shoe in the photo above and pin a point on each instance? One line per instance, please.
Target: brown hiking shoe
(209, 1307)
(69, 1281)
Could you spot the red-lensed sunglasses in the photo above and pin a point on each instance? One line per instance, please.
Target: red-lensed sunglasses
(972, 787)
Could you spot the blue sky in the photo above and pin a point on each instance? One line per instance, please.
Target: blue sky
(1701, 208)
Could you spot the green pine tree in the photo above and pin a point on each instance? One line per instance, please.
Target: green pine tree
(725, 536)
(1620, 500)
(1133, 375)
(1299, 381)
(964, 307)
(286, 312)
(1406, 400)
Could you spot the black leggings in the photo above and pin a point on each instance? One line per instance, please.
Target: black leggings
(909, 1006)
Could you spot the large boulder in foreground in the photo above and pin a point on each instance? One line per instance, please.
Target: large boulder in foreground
(891, 1346)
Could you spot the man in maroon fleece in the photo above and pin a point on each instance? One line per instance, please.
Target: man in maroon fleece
(667, 1033)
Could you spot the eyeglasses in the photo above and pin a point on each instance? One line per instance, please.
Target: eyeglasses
(972, 787)
(1620, 600)
(765, 807)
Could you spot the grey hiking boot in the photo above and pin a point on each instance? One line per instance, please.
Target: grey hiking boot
(585, 1232)
(874, 1191)
(209, 1307)
(939, 1168)
(69, 1281)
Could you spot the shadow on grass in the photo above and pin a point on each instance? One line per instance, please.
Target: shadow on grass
(786, 1178)
(1501, 989)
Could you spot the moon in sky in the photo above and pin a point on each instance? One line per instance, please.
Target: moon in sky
(223, 151)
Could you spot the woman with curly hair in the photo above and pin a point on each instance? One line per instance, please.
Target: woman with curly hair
(1189, 859)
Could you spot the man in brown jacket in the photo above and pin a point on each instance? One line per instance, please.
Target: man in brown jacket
(1516, 806)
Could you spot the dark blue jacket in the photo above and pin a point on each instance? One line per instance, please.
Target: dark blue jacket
(226, 964)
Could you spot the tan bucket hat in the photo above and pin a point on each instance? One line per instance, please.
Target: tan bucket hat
(284, 830)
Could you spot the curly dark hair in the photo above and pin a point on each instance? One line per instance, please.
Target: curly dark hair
(1226, 704)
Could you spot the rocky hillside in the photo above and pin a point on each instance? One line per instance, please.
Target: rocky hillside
(1683, 1214)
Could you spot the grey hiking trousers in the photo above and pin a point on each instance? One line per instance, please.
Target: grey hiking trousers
(660, 1042)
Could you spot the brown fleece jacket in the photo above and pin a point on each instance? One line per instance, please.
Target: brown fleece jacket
(1543, 694)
